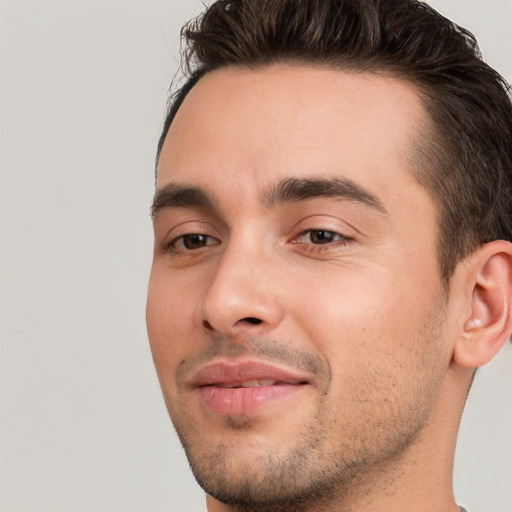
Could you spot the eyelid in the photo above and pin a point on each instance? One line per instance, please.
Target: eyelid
(170, 247)
(347, 235)
(340, 236)
(325, 222)
(189, 227)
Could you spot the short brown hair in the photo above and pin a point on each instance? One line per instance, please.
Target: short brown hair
(464, 158)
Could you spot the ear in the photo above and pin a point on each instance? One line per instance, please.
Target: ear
(488, 324)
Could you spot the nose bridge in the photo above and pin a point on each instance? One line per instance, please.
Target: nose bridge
(243, 294)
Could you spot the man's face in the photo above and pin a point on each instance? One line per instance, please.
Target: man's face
(295, 312)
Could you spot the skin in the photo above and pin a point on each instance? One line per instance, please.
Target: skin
(364, 316)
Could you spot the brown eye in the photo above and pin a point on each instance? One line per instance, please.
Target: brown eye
(320, 236)
(195, 241)
(190, 242)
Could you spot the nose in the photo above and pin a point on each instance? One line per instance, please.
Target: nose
(244, 294)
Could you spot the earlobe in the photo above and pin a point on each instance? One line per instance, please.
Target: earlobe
(488, 325)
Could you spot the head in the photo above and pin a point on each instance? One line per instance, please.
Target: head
(333, 189)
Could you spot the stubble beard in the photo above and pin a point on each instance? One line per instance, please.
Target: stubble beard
(313, 473)
(306, 478)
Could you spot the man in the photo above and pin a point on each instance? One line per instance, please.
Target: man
(332, 252)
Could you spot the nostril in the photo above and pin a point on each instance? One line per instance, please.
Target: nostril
(247, 320)
(251, 320)
(207, 325)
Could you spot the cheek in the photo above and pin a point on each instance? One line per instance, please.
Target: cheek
(170, 311)
(366, 317)
(382, 345)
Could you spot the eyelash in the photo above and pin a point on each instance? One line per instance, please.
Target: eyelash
(170, 247)
(321, 247)
(339, 240)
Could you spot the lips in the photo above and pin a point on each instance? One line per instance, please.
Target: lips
(233, 374)
(245, 387)
(249, 384)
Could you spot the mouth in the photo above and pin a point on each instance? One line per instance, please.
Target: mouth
(251, 384)
(237, 388)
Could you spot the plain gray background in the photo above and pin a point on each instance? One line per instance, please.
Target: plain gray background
(83, 427)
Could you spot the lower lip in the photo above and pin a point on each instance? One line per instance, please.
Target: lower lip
(239, 401)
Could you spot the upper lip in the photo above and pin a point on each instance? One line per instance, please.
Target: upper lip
(232, 373)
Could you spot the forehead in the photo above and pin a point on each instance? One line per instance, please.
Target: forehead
(239, 129)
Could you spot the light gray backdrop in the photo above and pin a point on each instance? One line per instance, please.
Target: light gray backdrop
(83, 427)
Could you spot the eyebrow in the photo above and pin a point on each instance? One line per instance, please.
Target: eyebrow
(175, 195)
(290, 190)
(302, 189)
